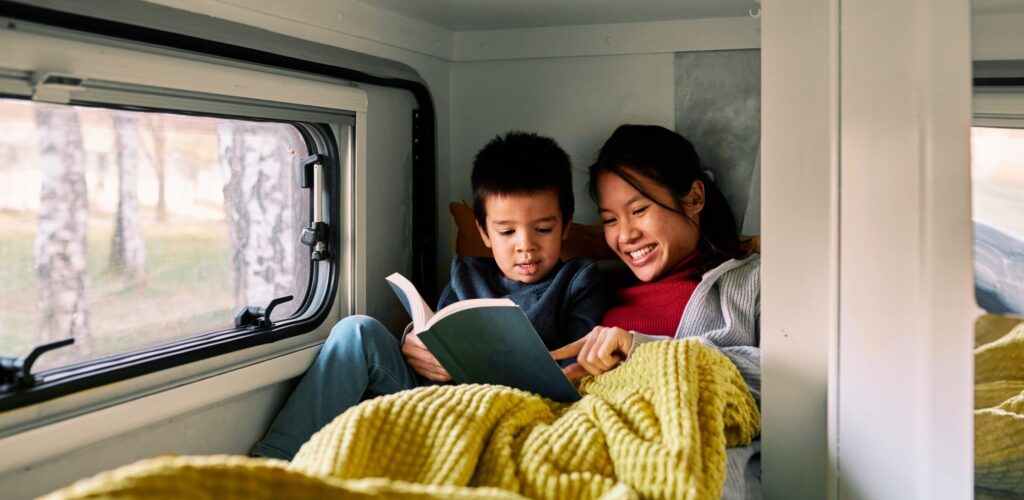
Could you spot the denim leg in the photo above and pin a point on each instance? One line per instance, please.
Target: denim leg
(359, 360)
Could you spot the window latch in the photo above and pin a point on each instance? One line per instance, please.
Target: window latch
(54, 87)
(316, 235)
(259, 317)
(16, 373)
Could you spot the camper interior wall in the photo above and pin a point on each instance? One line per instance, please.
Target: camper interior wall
(577, 88)
(905, 355)
(633, 63)
(996, 33)
(557, 97)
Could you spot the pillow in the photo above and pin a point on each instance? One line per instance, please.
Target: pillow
(750, 244)
(584, 240)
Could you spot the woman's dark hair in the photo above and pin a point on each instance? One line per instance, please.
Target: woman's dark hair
(521, 163)
(668, 159)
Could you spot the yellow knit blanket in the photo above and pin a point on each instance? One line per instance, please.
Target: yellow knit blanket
(999, 405)
(655, 427)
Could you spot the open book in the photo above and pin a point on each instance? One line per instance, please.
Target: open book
(485, 341)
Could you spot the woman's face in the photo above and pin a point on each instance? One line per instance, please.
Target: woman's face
(649, 238)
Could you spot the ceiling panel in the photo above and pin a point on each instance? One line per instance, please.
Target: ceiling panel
(472, 15)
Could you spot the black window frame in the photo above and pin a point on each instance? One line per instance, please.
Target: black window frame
(75, 377)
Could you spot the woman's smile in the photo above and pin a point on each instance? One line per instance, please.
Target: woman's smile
(642, 255)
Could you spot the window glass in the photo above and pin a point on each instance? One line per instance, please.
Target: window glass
(128, 229)
(997, 172)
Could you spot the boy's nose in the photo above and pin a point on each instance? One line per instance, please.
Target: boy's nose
(525, 244)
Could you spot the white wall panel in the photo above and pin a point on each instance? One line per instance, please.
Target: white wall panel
(226, 426)
(800, 245)
(577, 101)
(905, 332)
(608, 39)
(998, 36)
(389, 198)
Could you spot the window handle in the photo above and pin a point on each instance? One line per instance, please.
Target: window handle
(316, 235)
(16, 373)
(258, 317)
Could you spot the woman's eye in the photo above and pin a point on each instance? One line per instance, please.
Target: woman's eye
(640, 210)
(608, 221)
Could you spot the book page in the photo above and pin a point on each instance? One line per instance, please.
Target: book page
(462, 305)
(410, 298)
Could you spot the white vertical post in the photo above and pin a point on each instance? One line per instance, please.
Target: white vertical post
(799, 293)
(359, 233)
(905, 325)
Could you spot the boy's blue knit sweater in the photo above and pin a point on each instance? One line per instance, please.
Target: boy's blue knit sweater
(563, 307)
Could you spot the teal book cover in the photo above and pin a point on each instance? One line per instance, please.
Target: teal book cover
(486, 341)
(497, 345)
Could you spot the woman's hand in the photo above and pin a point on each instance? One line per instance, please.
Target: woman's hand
(599, 351)
(422, 362)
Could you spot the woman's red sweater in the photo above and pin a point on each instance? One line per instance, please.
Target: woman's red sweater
(655, 308)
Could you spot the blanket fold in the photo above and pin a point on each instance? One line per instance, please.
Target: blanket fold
(655, 427)
(999, 406)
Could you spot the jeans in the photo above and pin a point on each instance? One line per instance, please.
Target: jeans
(360, 360)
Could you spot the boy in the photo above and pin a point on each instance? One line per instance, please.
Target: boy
(523, 204)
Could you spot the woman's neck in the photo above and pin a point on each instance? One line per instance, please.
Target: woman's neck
(656, 307)
(686, 264)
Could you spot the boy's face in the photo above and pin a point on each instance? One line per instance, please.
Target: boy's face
(525, 234)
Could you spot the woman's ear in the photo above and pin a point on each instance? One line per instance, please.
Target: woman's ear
(694, 200)
(483, 234)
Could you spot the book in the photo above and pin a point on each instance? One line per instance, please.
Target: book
(485, 341)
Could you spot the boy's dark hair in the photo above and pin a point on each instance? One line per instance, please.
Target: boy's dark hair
(521, 163)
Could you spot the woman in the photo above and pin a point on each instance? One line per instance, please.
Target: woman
(669, 223)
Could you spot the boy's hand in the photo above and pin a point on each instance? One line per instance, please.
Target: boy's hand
(599, 351)
(422, 362)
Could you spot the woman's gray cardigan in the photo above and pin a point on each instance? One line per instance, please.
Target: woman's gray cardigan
(723, 312)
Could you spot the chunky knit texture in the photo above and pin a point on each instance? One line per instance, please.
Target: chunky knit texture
(656, 427)
(216, 477)
(999, 410)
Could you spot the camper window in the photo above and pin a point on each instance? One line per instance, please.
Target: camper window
(997, 178)
(997, 175)
(154, 205)
(128, 229)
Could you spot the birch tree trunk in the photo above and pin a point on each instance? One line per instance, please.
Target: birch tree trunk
(60, 251)
(157, 157)
(259, 204)
(301, 200)
(128, 248)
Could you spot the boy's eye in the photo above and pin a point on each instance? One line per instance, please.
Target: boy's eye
(543, 229)
(640, 210)
(506, 232)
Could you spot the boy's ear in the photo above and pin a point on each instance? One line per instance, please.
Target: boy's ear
(483, 234)
(565, 229)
